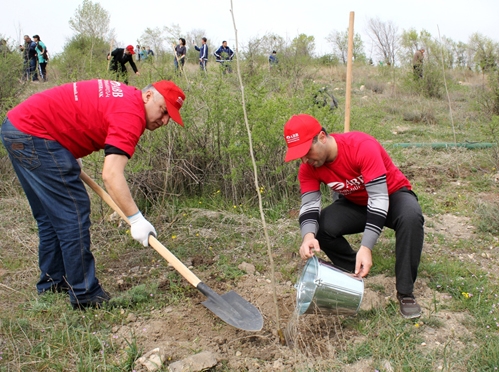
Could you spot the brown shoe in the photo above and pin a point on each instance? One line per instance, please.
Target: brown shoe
(409, 308)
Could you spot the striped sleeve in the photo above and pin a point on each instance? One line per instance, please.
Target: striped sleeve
(377, 209)
(309, 212)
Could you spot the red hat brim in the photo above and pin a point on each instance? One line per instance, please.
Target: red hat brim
(174, 113)
(298, 151)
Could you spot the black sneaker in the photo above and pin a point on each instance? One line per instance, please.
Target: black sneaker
(409, 308)
(96, 302)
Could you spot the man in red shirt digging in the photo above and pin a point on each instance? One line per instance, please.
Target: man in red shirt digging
(46, 134)
(371, 193)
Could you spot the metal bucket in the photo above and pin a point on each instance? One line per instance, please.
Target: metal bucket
(328, 289)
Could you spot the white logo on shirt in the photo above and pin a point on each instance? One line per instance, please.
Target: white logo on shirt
(348, 186)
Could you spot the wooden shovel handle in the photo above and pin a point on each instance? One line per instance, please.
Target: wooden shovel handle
(153, 242)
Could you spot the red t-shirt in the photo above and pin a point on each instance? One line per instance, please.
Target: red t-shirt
(84, 116)
(360, 159)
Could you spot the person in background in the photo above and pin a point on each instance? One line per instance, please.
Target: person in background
(43, 59)
(417, 63)
(4, 48)
(150, 52)
(180, 52)
(224, 56)
(203, 54)
(370, 193)
(30, 58)
(119, 58)
(47, 135)
(273, 59)
(137, 52)
(143, 53)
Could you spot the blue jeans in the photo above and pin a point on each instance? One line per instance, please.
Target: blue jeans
(49, 175)
(32, 69)
(176, 63)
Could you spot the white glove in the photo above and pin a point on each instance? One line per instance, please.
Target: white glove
(141, 228)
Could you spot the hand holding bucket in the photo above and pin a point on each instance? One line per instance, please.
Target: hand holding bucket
(328, 289)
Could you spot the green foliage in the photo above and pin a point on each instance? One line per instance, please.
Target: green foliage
(303, 45)
(11, 83)
(431, 85)
(90, 20)
(485, 52)
(83, 58)
(329, 60)
(411, 41)
(339, 40)
(154, 39)
(213, 150)
(490, 97)
(488, 218)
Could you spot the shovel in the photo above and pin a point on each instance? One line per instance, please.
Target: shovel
(230, 307)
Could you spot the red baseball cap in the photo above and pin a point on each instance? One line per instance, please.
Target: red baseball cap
(174, 98)
(130, 49)
(299, 132)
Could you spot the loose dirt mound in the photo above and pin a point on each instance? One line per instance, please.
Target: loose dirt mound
(189, 328)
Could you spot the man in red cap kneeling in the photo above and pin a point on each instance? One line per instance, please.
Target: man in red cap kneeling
(119, 57)
(46, 134)
(370, 193)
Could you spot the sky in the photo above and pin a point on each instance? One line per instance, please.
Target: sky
(456, 19)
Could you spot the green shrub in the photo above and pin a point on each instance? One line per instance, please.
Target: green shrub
(83, 58)
(11, 83)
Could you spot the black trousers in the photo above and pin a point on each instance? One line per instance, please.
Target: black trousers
(404, 216)
(42, 67)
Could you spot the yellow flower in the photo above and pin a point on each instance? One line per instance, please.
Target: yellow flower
(235, 206)
(416, 325)
(174, 236)
(197, 234)
(465, 294)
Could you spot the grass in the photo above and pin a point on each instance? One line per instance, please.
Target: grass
(458, 332)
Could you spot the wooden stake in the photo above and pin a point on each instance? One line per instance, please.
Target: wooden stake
(348, 90)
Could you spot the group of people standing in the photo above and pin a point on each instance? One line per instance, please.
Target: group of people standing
(35, 58)
(143, 53)
(224, 56)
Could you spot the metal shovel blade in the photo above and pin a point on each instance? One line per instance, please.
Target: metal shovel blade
(232, 309)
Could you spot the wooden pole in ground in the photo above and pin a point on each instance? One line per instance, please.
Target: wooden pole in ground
(348, 90)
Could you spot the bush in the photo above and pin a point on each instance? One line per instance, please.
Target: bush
(211, 154)
(83, 58)
(11, 83)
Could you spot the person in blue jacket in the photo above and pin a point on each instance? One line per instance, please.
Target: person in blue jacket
(203, 53)
(273, 59)
(224, 56)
